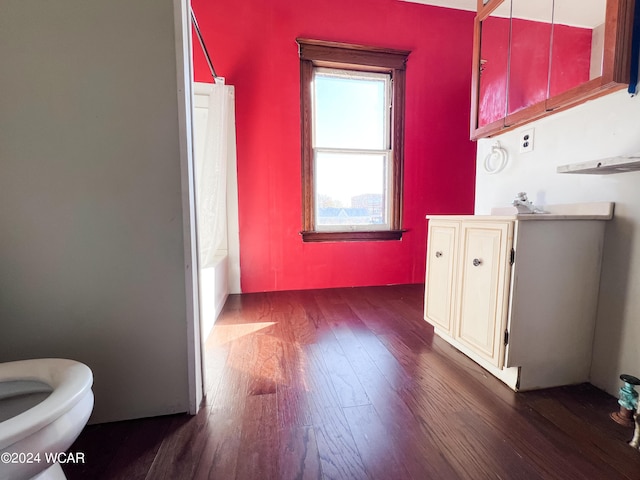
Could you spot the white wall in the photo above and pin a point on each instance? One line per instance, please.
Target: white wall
(91, 228)
(601, 128)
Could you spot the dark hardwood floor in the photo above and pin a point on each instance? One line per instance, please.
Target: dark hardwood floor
(352, 383)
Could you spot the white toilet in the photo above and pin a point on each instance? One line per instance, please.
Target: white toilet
(44, 405)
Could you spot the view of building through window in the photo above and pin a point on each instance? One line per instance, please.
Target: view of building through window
(350, 189)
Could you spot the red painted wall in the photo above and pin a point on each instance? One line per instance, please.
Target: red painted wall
(252, 44)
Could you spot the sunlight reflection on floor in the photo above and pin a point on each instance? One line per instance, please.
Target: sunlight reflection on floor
(227, 333)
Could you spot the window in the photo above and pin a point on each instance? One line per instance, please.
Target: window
(352, 107)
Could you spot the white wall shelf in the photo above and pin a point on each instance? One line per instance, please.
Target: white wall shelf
(606, 166)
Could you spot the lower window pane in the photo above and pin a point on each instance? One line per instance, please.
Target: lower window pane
(351, 191)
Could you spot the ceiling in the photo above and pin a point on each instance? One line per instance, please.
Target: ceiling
(583, 13)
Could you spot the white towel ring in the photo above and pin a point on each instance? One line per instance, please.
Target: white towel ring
(496, 159)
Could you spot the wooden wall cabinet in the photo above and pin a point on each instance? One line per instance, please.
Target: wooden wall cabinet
(531, 59)
(517, 294)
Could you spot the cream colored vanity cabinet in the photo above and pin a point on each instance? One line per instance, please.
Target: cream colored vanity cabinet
(518, 293)
(468, 271)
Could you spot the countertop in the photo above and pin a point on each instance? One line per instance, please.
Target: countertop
(574, 211)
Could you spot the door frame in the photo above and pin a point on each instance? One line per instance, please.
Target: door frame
(184, 71)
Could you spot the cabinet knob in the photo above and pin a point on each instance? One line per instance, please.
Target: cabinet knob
(476, 262)
(438, 254)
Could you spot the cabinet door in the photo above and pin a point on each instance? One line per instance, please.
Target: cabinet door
(483, 287)
(441, 269)
(529, 55)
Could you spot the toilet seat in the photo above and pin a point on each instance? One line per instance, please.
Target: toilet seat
(53, 424)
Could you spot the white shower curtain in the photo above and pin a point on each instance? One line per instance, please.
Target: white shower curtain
(211, 174)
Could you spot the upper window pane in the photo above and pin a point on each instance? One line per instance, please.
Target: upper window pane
(351, 109)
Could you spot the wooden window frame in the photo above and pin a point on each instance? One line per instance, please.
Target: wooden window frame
(319, 53)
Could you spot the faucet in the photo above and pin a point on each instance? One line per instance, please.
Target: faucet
(524, 205)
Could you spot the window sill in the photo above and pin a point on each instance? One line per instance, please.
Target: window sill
(364, 236)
